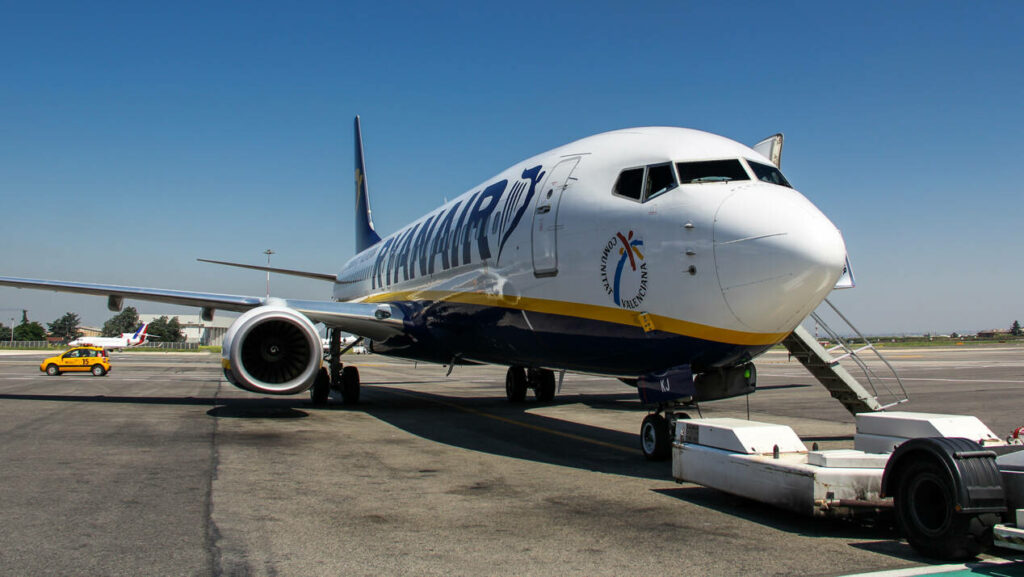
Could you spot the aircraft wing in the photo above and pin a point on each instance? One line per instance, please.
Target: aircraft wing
(376, 321)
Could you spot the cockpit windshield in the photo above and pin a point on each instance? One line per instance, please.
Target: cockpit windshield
(768, 173)
(711, 171)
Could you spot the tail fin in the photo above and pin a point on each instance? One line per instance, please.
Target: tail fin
(366, 236)
(141, 332)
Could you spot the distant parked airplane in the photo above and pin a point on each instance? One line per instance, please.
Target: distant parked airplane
(126, 340)
(356, 349)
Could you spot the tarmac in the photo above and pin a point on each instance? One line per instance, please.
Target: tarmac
(163, 468)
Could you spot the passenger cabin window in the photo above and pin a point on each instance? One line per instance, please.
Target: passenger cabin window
(711, 171)
(660, 179)
(630, 183)
(768, 173)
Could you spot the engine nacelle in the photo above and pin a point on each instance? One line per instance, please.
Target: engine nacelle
(272, 350)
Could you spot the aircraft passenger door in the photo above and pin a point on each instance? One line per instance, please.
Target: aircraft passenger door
(545, 217)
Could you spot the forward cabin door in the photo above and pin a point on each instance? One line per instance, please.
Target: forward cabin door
(545, 217)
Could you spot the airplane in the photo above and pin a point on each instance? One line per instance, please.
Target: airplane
(356, 348)
(126, 340)
(666, 257)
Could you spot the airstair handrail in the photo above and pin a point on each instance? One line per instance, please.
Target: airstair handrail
(852, 353)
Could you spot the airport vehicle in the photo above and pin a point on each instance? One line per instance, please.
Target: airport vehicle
(114, 343)
(954, 486)
(655, 255)
(79, 360)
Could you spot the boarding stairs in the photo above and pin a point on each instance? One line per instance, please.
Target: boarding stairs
(825, 365)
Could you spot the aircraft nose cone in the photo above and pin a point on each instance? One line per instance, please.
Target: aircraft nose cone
(777, 257)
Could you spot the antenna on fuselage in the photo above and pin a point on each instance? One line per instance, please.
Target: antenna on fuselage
(366, 235)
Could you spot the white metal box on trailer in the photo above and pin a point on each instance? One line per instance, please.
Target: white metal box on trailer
(769, 463)
(883, 432)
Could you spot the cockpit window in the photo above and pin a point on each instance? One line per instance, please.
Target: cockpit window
(768, 173)
(660, 179)
(711, 171)
(630, 183)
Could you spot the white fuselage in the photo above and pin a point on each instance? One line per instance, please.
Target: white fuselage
(124, 341)
(546, 255)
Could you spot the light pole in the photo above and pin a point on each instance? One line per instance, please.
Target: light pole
(12, 332)
(268, 252)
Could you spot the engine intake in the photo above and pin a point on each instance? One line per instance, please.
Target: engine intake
(272, 350)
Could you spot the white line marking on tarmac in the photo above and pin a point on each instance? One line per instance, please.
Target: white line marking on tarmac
(987, 567)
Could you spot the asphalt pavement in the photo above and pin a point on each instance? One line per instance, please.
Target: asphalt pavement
(163, 468)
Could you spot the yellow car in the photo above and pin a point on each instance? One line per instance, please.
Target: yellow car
(80, 359)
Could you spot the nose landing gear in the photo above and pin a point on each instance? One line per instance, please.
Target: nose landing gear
(657, 430)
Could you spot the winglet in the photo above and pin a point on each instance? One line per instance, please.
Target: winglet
(366, 236)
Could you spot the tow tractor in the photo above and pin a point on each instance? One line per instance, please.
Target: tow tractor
(955, 486)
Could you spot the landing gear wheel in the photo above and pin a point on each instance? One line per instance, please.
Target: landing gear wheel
(515, 384)
(350, 385)
(925, 502)
(52, 370)
(655, 438)
(543, 383)
(98, 370)
(321, 388)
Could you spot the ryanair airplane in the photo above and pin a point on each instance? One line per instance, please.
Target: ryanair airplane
(666, 257)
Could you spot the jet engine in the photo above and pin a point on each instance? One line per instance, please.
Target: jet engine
(272, 350)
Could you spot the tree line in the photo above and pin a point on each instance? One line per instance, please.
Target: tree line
(68, 328)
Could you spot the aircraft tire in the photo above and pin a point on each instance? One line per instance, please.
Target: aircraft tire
(350, 385)
(926, 502)
(543, 382)
(52, 370)
(321, 388)
(98, 370)
(515, 384)
(655, 437)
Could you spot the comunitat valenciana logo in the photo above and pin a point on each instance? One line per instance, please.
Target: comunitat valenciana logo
(624, 270)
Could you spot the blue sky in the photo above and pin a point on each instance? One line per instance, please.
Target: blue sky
(148, 136)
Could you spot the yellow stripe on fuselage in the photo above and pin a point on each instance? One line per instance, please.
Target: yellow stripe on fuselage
(585, 311)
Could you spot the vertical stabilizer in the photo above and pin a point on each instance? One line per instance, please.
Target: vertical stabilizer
(366, 236)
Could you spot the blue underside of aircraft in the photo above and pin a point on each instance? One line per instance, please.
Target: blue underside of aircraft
(459, 333)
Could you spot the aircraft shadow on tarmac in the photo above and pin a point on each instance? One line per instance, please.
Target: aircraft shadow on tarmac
(489, 424)
(495, 426)
(492, 425)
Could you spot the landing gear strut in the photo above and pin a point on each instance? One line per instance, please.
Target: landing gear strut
(519, 379)
(336, 376)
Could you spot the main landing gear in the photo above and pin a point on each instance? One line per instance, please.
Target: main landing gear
(337, 377)
(519, 379)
